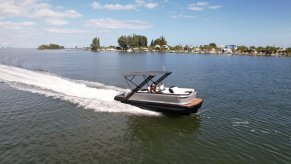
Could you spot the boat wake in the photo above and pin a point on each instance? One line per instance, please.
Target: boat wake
(89, 95)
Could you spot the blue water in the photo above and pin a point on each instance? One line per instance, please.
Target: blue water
(245, 118)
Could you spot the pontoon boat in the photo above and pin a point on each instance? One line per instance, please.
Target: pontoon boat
(166, 100)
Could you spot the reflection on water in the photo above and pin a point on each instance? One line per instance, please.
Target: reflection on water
(162, 139)
(162, 127)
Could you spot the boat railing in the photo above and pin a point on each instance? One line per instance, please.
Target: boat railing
(168, 93)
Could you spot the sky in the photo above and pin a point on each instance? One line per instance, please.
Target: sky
(30, 23)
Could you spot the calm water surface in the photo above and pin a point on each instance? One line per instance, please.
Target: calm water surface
(56, 107)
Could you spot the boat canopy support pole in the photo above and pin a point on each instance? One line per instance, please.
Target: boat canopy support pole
(139, 87)
(130, 80)
(144, 77)
(163, 77)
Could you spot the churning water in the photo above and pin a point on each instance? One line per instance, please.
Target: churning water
(86, 94)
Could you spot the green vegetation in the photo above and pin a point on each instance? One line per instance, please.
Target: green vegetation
(138, 43)
(161, 41)
(50, 46)
(132, 41)
(159, 44)
(95, 44)
(177, 48)
(152, 43)
(208, 47)
(288, 51)
(243, 49)
(123, 42)
(266, 51)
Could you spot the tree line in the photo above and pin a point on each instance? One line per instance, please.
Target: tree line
(241, 49)
(131, 41)
(126, 42)
(50, 46)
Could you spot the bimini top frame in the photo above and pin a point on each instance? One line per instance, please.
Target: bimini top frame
(147, 73)
(148, 76)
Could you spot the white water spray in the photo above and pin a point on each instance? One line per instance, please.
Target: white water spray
(90, 95)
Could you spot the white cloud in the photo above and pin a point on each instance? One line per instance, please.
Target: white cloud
(195, 8)
(46, 12)
(201, 6)
(146, 4)
(65, 31)
(56, 22)
(215, 7)
(7, 25)
(202, 3)
(119, 7)
(36, 9)
(183, 16)
(131, 6)
(32, 8)
(118, 24)
(150, 5)
(97, 5)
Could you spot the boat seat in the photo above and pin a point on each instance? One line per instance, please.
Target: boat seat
(171, 90)
(176, 90)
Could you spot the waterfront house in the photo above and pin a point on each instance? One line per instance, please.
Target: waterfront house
(212, 51)
(232, 47)
(229, 49)
(281, 51)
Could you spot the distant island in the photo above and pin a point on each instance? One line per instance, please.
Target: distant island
(139, 43)
(50, 46)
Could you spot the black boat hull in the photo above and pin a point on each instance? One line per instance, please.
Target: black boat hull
(165, 108)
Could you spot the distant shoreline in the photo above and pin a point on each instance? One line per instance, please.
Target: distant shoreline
(171, 52)
(162, 52)
(187, 52)
(139, 43)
